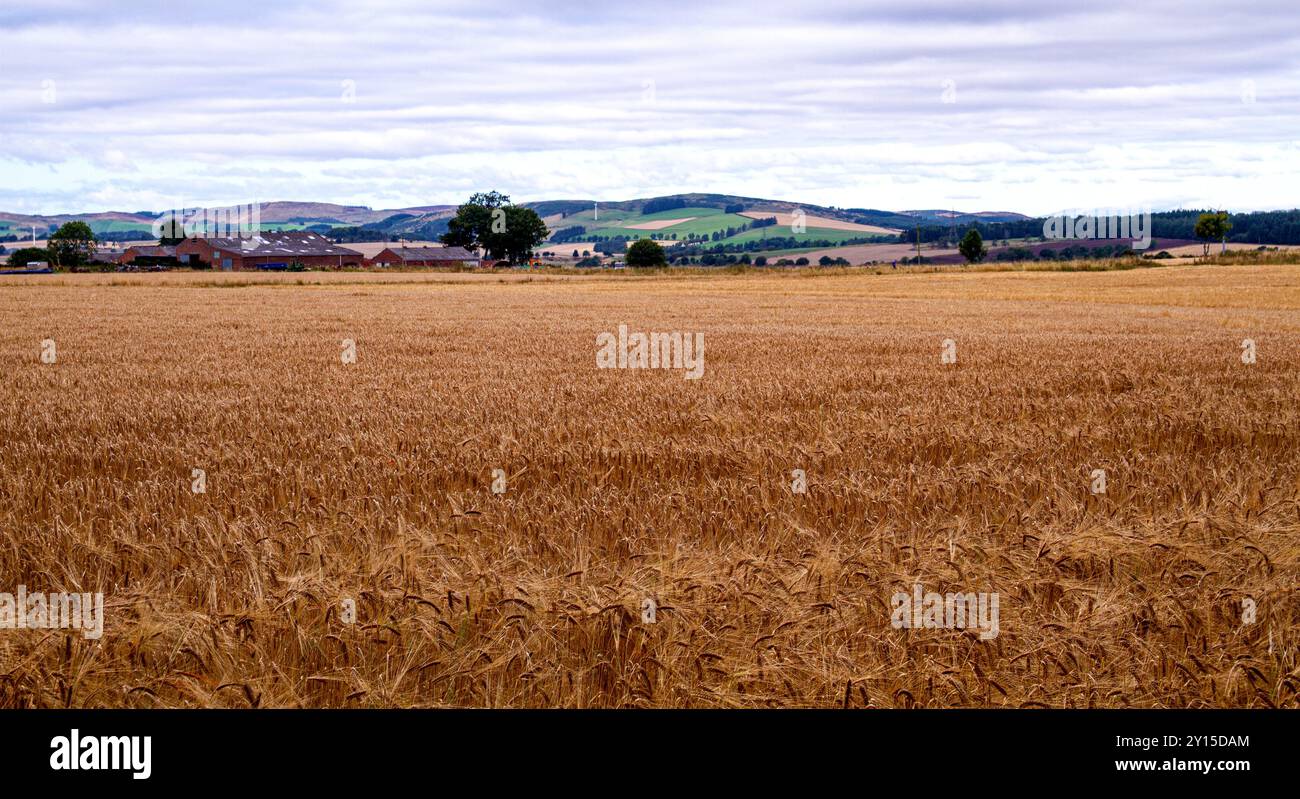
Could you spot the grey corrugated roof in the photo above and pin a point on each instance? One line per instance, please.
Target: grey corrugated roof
(159, 250)
(294, 243)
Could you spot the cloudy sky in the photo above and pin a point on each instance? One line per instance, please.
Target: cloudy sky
(995, 105)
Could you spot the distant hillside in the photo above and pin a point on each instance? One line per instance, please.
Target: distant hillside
(1259, 227)
(701, 220)
(695, 217)
(279, 215)
(720, 201)
(960, 218)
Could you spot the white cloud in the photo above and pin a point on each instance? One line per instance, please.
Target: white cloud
(840, 103)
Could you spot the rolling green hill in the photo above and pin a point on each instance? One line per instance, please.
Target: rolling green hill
(706, 220)
(699, 220)
(812, 234)
(701, 223)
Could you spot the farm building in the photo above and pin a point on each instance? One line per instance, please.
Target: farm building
(425, 256)
(149, 255)
(106, 256)
(268, 251)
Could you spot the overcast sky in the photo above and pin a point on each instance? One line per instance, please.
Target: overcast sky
(994, 105)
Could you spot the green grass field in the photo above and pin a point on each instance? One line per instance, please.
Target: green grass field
(676, 213)
(811, 234)
(705, 226)
(587, 218)
(113, 226)
(703, 221)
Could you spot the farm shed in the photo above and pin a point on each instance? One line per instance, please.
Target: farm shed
(268, 251)
(424, 256)
(149, 255)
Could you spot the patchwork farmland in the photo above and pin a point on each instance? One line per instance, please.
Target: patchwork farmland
(709, 224)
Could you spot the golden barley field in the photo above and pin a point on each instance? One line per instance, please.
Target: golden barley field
(372, 482)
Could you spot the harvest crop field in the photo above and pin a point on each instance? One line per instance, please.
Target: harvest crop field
(473, 514)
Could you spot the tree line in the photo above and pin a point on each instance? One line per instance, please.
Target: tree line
(1258, 227)
(72, 245)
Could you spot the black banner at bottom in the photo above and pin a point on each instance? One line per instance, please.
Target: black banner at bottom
(525, 749)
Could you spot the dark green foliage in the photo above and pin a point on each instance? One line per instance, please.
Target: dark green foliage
(662, 204)
(27, 255)
(573, 233)
(972, 246)
(73, 244)
(1212, 227)
(646, 253)
(490, 222)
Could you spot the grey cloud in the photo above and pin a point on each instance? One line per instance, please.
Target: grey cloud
(555, 99)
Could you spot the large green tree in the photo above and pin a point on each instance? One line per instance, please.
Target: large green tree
(489, 221)
(26, 255)
(645, 253)
(73, 244)
(1213, 227)
(972, 246)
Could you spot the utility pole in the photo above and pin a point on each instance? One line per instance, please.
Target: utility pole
(596, 206)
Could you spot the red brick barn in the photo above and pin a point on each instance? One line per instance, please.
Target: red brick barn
(268, 251)
(425, 257)
(149, 255)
